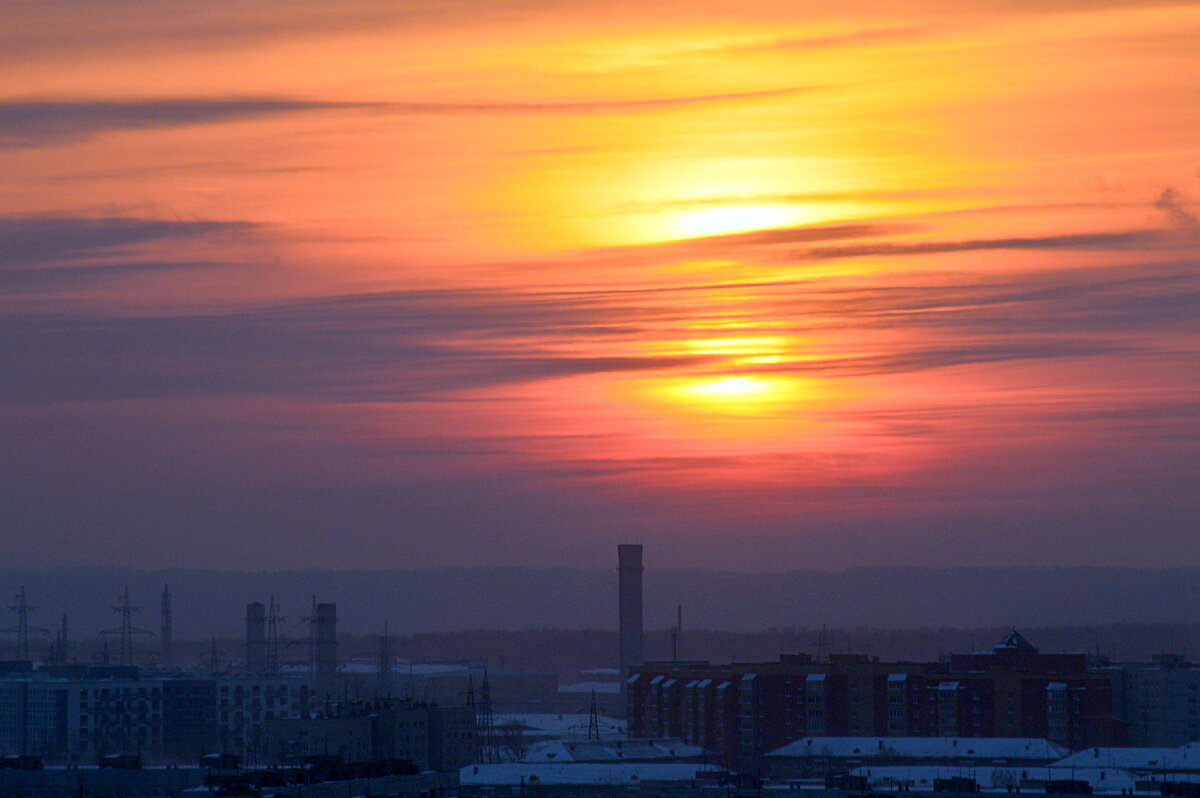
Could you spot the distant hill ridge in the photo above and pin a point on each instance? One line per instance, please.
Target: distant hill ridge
(210, 602)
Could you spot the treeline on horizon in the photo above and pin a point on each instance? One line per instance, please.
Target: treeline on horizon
(569, 651)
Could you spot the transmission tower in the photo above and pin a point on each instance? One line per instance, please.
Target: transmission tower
(23, 610)
(127, 630)
(274, 619)
(593, 721)
(485, 724)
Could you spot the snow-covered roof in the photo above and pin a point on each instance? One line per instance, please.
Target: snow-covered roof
(518, 773)
(614, 751)
(991, 777)
(932, 747)
(1127, 758)
(1186, 757)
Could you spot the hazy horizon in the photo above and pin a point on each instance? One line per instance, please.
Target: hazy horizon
(444, 600)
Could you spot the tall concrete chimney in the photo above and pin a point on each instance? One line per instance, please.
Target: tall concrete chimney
(256, 637)
(326, 645)
(629, 568)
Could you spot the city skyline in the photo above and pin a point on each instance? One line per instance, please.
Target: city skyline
(419, 284)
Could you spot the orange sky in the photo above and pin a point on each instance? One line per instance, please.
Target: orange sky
(475, 282)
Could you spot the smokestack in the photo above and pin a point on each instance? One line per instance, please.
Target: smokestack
(629, 558)
(256, 637)
(326, 643)
(166, 637)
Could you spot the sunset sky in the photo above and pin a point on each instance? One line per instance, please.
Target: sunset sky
(761, 285)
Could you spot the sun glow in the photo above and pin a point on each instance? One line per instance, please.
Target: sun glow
(746, 349)
(740, 394)
(723, 219)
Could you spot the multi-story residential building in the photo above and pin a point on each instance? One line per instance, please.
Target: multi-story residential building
(246, 703)
(745, 709)
(78, 714)
(1161, 701)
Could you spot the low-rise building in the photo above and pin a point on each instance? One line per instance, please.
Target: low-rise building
(430, 736)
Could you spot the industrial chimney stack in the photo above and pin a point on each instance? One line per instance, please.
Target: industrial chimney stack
(326, 646)
(256, 637)
(629, 557)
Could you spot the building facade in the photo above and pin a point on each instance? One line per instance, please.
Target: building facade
(431, 737)
(743, 710)
(1160, 701)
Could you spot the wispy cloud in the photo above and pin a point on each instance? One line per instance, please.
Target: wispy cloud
(43, 122)
(40, 123)
(591, 106)
(32, 240)
(1123, 240)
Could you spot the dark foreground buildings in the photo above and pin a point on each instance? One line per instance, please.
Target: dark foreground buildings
(744, 710)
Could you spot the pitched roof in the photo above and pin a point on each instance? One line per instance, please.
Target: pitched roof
(1013, 641)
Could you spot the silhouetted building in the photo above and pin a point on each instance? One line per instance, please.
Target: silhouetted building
(256, 637)
(429, 736)
(1160, 701)
(631, 641)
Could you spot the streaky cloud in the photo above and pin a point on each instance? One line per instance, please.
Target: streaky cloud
(591, 106)
(31, 123)
(1122, 240)
(45, 239)
(43, 122)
